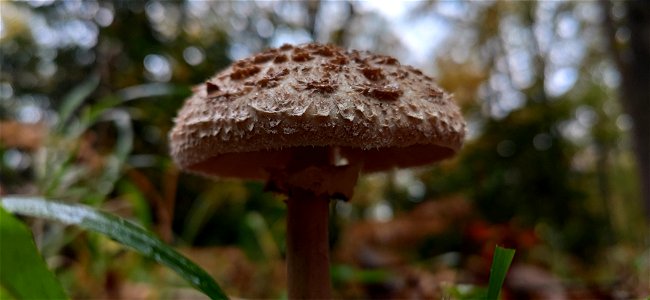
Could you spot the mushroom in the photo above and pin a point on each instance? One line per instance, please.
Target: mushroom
(308, 120)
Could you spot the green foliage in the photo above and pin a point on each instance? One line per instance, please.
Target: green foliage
(23, 273)
(60, 175)
(465, 292)
(500, 265)
(119, 229)
(345, 274)
(501, 260)
(75, 98)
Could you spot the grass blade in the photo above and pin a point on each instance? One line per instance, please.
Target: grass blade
(75, 98)
(23, 273)
(500, 265)
(119, 229)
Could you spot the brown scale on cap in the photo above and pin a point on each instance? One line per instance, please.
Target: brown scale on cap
(271, 79)
(321, 86)
(285, 47)
(328, 67)
(211, 88)
(324, 51)
(244, 71)
(435, 94)
(400, 74)
(280, 59)
(373, 74)
(301, 56)
(386, 60)
(388, 92)
(370, 106)
(264, 57)
(229, 94)
(339, 60)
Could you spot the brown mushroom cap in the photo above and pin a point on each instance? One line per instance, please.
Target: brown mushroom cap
(256, 114)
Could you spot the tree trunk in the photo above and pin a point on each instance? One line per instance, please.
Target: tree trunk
(633, 61)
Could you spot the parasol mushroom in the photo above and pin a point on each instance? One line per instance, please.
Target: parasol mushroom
(307, 120)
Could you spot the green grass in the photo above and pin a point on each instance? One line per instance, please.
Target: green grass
(121, 230)
(500, 265)
(23, 272)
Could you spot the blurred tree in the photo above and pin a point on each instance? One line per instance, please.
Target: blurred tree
(542, 128)
(628, 40)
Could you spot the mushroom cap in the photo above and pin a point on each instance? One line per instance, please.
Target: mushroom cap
(255, 115)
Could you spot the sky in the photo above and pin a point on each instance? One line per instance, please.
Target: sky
(421, 36)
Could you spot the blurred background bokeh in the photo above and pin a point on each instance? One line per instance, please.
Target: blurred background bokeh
(556, 162)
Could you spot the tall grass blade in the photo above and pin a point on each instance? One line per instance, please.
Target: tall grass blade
(75, 98)
(500, 265)
(23, 273)
(119, 229)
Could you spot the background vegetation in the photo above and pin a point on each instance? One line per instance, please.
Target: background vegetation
(555, 164)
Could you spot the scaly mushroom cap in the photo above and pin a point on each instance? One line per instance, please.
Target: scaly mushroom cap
(254, 115)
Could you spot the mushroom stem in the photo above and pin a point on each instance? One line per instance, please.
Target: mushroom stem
(307, 245)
